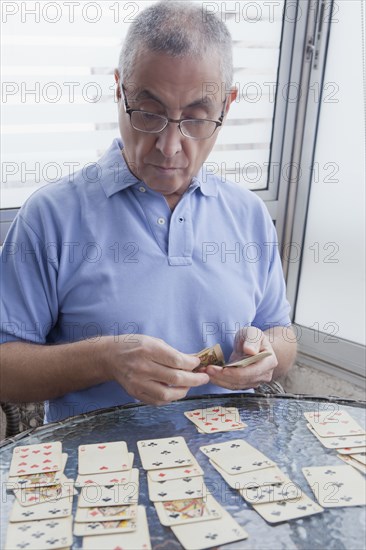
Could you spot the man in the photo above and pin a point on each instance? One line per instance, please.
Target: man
(111, 279)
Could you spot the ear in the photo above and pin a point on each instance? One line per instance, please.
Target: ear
(233, 94)
(118, 84)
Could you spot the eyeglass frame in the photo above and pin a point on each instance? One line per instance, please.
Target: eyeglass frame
(129, 111)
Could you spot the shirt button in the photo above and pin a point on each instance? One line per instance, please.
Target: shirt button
(181, 219)
(142, 189)
(161, 221)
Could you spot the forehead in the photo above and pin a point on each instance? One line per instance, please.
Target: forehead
(176, 82)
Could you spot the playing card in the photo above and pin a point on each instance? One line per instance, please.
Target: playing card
(176, 489)
(210, 356)
(104, 527)
(103, 457)
(216, 419)
(193, 470)
(335, 486)
(34, 459)
(360, 457)
(340, 441)
(110, 495)
(257, 478)
(351, 450)
(169, 452)
(40, 535)
(237, 456)
(191, 510)
(272, 493)
(214, 533)
(285, 510)
(138, 539)
(352, 462)
(106, 513)
(246, 360)
(37, 480)
(52, 493)
(334, 423)
(108, 478)
(45, 510)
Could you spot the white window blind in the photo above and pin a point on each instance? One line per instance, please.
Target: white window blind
(58, 106)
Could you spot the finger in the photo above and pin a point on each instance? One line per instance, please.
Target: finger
(156, 393)
(175, 377)
(253, 341)
(164, 354)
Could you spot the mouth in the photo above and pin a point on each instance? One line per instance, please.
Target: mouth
(165, 169)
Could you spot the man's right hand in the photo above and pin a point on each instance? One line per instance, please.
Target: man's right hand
(149, 369)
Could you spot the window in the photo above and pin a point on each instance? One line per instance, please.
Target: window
(58, 106)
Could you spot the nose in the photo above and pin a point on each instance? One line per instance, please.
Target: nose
(169, 141)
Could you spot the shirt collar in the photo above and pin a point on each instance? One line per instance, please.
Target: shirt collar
(116, 175)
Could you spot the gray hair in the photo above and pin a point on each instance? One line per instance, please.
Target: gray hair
(178, 29)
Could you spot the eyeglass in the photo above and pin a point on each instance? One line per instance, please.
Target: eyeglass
(151, 123)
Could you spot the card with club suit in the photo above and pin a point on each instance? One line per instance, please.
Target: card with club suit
(340, 441)
(286, 510)
(169, 452)
(104, 527)
(257, 478)
(110, 495)
(44, 510)
(40, 535)
(335, 486)
(272, 493)
(209, 534)
(176, 489)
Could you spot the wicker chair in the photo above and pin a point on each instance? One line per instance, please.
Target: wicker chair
(22, 416)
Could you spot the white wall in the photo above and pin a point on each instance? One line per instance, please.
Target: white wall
(332, 282)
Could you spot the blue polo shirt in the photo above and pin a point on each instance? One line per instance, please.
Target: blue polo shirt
(99, 253)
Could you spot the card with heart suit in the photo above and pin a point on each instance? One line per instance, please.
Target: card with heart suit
(108, 513)
(139, 538)
(35, 459)
(335, 486)
(37, 480)
(193, 470)
(237, 456)
(334, 423)
(45, 510)
(52, 493)
(43, 534)
(352, 462)
(110, 495)
(247, 360)
(209, 534)
(191, 510)
(272, 493)
(351, 450)
(108, 478)
(103, 457)
(286, 510)
(176, 489)
(340, 441)
(258, 478)
(216, 419)
(169, 452)
(104, 527)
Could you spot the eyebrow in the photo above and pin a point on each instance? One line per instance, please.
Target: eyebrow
(146, 94)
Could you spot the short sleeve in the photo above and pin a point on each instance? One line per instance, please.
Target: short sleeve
(28, 302)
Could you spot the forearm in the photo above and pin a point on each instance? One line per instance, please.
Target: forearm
(31, 372)
(283, 341)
